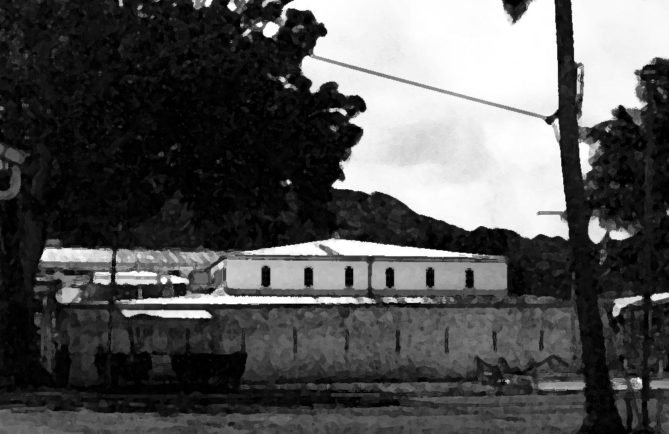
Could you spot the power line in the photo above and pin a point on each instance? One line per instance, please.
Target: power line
(432, 88)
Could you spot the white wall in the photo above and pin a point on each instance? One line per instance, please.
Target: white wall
(447, 275)
(289, 274)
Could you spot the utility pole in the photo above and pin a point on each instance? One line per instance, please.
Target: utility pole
(602, 415)
(648, 225)
(572, 285)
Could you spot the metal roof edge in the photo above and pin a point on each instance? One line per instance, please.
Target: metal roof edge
(474, 258)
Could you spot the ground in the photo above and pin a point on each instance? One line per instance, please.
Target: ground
(483, 414)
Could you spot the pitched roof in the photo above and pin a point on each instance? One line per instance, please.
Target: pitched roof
(339, 247)
(100, 259)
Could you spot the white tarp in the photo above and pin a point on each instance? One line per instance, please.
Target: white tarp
(621, 303)
(169, 314)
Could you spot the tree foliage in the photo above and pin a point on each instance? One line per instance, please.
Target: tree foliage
(615, 184)
(124, 106)
(138, 102)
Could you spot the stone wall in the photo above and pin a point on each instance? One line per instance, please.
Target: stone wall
(336, 343)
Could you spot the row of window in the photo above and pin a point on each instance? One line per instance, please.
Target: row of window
(266, 277)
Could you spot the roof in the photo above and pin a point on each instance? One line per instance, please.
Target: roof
(136, 278)
(100, 259)
(338, 247)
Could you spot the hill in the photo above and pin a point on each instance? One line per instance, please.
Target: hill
(536, 266)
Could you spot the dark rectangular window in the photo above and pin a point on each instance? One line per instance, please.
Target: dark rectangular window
(541, 340)
(390, 278)
(294, 340)
(494, 341)
(469, 278)
(429, 277)
(397, 341)
(265, 276)
(348, 277)
(446, 338)
(308, 277)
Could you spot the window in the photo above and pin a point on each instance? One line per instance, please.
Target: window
(308, 277)
(348, 277)
(469, 278)
(265, 276)
(429, 277)
(294, 340)
(541, 340)
(390, 278)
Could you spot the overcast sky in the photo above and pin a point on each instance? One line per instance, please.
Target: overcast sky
(461, 162)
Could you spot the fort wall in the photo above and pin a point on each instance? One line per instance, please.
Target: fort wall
(336, 342)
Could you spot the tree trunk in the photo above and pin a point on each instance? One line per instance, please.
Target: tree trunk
(647, 281)
(602, 415)
(22, 239)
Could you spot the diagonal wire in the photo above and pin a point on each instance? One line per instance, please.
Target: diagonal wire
(432, 88)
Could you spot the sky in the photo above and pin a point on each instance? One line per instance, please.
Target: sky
(468, 164)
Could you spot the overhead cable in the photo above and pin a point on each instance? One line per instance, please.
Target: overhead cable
(432, 88)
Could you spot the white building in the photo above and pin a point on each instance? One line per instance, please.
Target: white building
(345, 267)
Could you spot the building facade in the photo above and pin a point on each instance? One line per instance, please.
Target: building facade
(345, 267)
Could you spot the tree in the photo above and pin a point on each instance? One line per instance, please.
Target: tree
(615, 182)
(602, 416)
(122, 107)
(627, 189)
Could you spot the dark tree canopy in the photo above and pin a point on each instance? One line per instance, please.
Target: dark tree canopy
(516, 8)
(615, 185)
(139, 103)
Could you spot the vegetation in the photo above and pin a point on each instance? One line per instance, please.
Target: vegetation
(122, 107)
(615, 185)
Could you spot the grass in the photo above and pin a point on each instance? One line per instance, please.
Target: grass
(485, 414)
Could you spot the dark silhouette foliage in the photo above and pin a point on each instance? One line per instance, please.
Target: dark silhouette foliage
(615, 185)
(124, 107)
(538, 266)
(516, 8)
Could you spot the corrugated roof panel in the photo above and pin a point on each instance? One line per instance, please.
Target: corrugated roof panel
(125, 257)
(100, 259)
(195, 257)
(74, 258)
(164, 257)
(173, 258)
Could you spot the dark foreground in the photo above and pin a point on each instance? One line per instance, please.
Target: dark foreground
(296, 411)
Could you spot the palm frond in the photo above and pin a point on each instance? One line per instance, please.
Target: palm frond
(516, 8)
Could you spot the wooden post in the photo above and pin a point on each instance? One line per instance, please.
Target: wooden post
(628, 411)
(658, 414)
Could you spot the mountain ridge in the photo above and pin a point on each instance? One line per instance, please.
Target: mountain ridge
(537, 266)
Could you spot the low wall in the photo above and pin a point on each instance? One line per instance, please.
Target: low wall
(336, 343)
